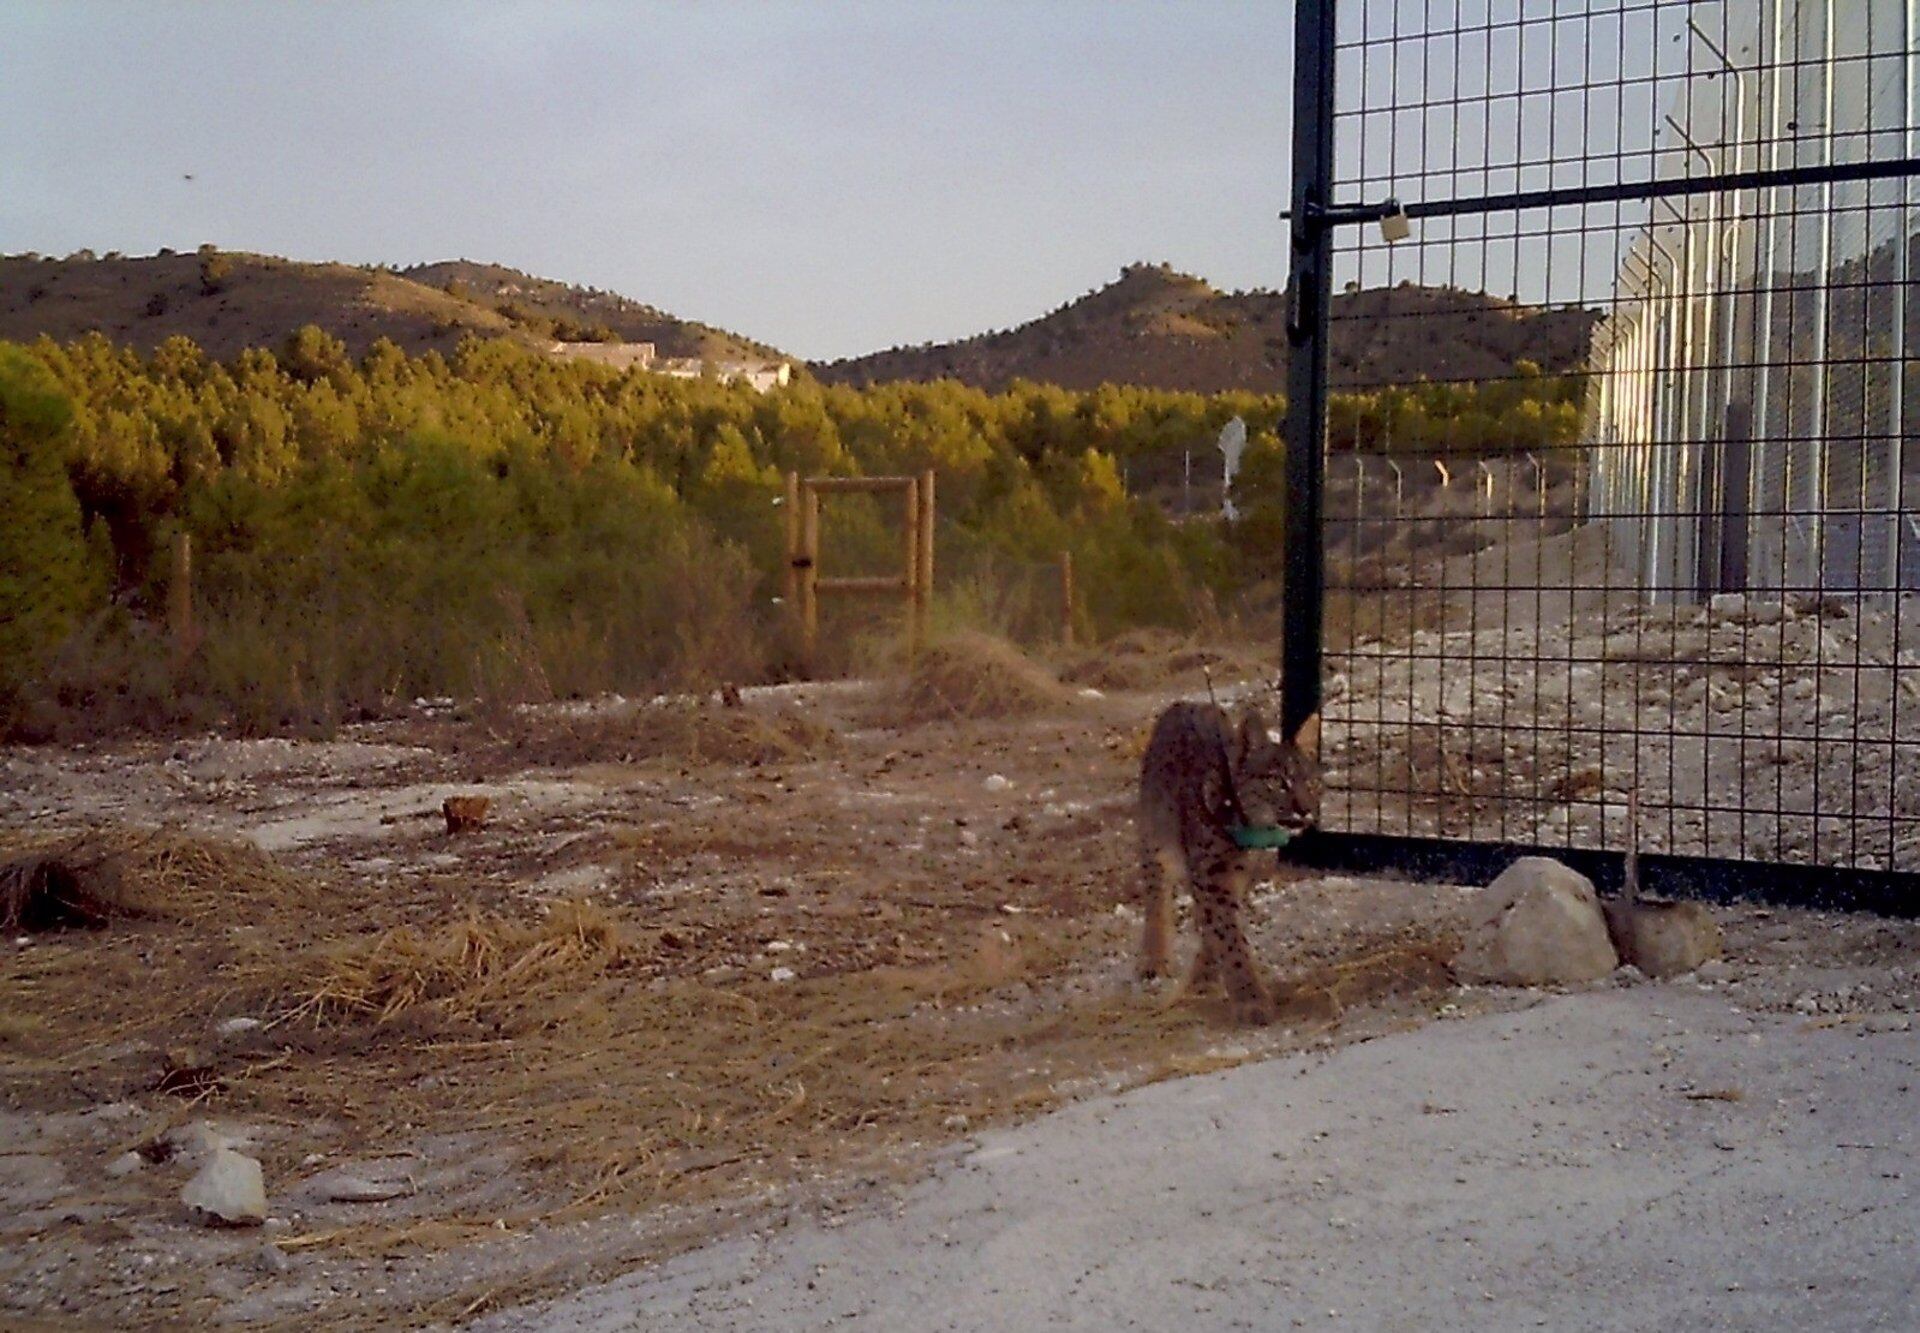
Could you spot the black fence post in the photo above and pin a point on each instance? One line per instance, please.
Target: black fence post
(1310, 289)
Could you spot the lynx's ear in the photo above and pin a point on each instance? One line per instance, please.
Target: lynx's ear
(1307, 739)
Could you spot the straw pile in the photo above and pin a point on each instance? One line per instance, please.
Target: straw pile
(88, 879)
(481, 967)
(973, 676)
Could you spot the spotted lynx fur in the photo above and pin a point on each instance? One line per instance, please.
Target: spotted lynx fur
(1200, 776)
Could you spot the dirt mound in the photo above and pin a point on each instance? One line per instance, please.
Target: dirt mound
(88, 879)
(973, 676)
(685, 732)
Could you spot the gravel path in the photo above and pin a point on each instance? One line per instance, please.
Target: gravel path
(1540, 1169)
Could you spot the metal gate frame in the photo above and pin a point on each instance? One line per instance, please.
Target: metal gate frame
(1314, 219)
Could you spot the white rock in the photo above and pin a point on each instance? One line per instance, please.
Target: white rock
(777, 946)
(1540, 924)
(126, 1164)
(233, 1027)
(782, 974)
(998, 782)
(228, 1191)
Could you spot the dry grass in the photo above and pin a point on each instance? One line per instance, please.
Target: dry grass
(972, 675)
(1410, 964)
(594, 1079)
(88, 879)
(680, 732)
(482, 967)
(637, 1094)
(1145, 659)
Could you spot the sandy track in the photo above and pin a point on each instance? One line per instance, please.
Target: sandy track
(1542, 1169)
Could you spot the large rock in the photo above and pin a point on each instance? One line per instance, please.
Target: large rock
(1663, 939)
(228, 1191)
(1541, 925)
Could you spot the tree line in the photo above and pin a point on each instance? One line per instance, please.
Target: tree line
(498, 521)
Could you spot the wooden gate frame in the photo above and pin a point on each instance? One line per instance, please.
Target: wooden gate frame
(804, 584)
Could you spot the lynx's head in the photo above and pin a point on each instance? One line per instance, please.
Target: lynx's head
(1277, 780)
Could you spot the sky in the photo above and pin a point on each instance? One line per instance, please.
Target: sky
(832, 178)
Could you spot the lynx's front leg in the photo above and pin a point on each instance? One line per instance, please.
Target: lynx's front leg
(1206, 964)
(1216, 901)
(1160, 870)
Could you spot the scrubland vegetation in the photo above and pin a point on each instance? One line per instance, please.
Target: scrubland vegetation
(497, 524)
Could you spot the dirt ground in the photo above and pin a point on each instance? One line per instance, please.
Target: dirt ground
(704, 968)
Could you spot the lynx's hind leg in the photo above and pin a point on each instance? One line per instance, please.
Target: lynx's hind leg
(1160, 869)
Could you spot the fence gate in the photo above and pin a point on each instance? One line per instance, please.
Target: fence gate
(1602, 459)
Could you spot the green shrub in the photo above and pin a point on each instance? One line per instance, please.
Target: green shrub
(50, 574)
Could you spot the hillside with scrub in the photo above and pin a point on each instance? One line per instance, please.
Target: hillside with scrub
(228, 301)
(1154, 325)
(489, 522)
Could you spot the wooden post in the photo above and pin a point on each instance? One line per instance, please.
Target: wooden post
(180, 602)
(1066, 598)
(792, 503)
(910, 549)
(923, 567)
(810, 579)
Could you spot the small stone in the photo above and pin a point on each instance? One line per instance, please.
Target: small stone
(228, 1191)
(126, 1164)
(782, 974)
(271, 1258)
(998, 782)
(959, 1122)
(345, 1188)
(233, 1027)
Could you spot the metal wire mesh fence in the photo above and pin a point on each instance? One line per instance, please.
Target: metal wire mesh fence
(1697, 587)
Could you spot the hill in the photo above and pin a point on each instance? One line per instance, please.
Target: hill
(227, 301)
(1161, 328)
(585, 313)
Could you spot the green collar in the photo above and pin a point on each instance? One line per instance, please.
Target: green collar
(1260, 835)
